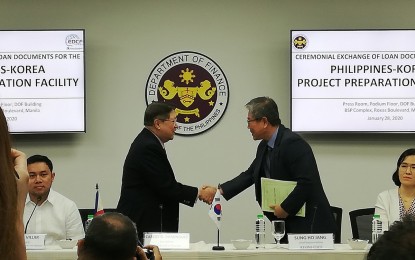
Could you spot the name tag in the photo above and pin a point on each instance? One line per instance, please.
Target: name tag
(311, 241)
(35, 241)
(168, 240)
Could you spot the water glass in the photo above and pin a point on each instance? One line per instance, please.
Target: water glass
(278, 230)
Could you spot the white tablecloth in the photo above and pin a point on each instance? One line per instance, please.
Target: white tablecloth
(201, 250)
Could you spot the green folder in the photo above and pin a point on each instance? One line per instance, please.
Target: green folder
(275, 192)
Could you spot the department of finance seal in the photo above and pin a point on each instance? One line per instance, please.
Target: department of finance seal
(300, 42)
(195, 85)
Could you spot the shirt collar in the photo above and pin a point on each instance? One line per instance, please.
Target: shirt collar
(162, 145)
(51, 198)
(271, 141)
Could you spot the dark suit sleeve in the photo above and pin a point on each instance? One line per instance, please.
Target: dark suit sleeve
(238, 184)
(244, 180)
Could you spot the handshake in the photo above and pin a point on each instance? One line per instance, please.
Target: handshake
(207, 193)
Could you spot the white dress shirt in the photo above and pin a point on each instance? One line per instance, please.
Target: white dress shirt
(58, 217)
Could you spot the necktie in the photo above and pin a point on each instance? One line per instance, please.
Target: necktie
(267, 166)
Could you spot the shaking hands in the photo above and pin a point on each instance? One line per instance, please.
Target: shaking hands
(207, 193)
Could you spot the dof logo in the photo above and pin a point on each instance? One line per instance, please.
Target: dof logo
(300, 42)
(195, 85)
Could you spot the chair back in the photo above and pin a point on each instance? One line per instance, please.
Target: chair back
(338, 215)
(361, 223)
(84, 214)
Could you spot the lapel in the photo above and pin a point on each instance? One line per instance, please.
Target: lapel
(150, 137)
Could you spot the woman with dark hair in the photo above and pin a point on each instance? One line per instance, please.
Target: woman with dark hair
(394, 204)
(13, 192)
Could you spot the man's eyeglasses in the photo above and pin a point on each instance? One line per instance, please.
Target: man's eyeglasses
(174, 121)
(250, 120)
(405, 166)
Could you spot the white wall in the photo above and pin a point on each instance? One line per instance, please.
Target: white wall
(250, 41)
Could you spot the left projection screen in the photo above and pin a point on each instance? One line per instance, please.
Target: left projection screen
(42, 80)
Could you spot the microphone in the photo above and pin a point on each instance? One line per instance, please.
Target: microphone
(39, 198)
(312, 221)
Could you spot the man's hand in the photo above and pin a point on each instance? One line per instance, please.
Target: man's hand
(207, 193)
(278, 211)
(142, 255)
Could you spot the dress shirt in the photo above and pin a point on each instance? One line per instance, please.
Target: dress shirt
(57, 217)
(271, 142)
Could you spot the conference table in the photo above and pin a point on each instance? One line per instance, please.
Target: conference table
(201, 250)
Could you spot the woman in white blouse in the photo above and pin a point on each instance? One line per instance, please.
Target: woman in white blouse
(392, 205)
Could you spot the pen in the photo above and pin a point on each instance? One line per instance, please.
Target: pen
(17, 175)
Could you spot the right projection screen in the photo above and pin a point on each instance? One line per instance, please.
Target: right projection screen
(353, 81)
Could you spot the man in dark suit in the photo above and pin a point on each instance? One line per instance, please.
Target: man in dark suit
(150, 194)
(290, 159)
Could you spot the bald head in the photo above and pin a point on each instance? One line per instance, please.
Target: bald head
(110, 236)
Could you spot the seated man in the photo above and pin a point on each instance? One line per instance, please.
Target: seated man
(55, 215)
(397, 243)
(112, 236)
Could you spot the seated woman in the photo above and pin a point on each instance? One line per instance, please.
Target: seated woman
(394, 204)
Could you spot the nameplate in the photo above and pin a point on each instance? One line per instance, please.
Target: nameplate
(35, 241)
(310, 241)
(168, 240)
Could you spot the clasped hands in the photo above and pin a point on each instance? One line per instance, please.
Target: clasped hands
(207, 193)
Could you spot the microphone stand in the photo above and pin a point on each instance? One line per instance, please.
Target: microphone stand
(37, 203)
(312, 221)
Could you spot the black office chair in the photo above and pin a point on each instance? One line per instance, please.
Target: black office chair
(338, 215)
(361, 223)
(84, 214)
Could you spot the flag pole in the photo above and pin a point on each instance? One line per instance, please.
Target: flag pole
(99, 209)
(218, 247)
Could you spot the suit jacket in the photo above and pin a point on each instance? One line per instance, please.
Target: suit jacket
(387, 205)
(291, 160)
(150, 194)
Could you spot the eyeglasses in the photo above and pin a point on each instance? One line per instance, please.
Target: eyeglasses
(250, 120)
(405, 166)
(174, 121)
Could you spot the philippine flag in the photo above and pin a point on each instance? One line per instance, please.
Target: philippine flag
(99, 209)
(215, 211)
